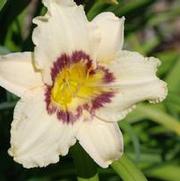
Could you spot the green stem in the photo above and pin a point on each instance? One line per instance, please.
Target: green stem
(127, 170)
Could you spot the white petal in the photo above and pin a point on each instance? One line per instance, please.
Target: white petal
(136, 81)
(103, 141)
(17, 73)
(64, 29)
(60, 2)
(37, 139)
(112, 35)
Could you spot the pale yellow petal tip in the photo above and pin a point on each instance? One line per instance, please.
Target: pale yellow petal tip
(40, 19)
(29, 163)
(109, 162)
(113, 158)
(10, 152)
(163, 92)
(119, 156)
(123, 18)
(48, 3)
(162, 95)
(126, 112)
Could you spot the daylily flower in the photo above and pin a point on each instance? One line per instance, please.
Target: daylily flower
(76, 85)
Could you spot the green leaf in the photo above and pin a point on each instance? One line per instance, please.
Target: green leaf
(94, 178)
(2, 3)
(85, 166)
(168, 172)
(160, 17)
(160, 117)
(168, 59)
(173, 78)
(9, 15)
(173, 103)
(7, 105)
(39, 179)
(135, 116)
(127, 170)
(126, 127)
(97, 8)
(173, 81)
(147, 47)
(131, 7)
(3, 50)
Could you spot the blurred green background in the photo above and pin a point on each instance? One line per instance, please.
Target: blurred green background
(151, 132)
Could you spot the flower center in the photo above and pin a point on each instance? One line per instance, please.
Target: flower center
(76, 81)
(77, 86)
